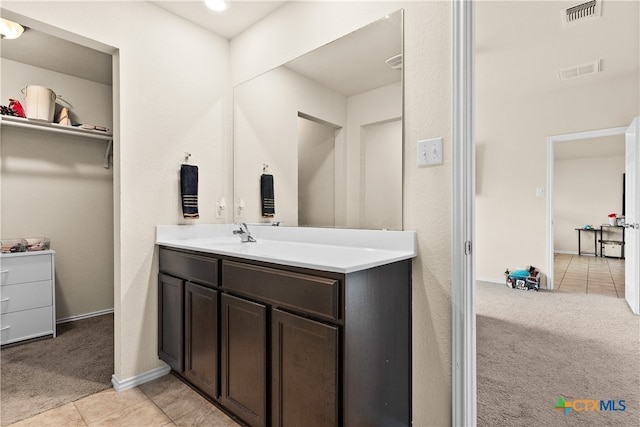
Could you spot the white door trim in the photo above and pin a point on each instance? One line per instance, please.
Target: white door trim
(551, 140)
(463, 316)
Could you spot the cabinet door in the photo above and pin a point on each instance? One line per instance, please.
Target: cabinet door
(171, 321)
(201, 338)
(244, 359)
(304, 384)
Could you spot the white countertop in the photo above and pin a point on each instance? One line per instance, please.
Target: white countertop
(325, 249)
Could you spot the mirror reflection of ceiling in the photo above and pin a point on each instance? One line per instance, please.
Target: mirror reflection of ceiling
(55, 54)
(354, 63)
(604, 146)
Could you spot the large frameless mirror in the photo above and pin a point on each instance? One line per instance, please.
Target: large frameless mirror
(326, 131)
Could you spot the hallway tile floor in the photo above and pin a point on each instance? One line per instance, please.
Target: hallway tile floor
(589, 274)
(166, 401)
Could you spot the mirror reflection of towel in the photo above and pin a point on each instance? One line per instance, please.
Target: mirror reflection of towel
(267, 196)
(189, 191)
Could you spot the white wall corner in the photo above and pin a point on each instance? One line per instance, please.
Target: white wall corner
(145, 377)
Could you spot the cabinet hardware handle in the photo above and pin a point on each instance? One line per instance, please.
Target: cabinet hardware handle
(4, 271)
(5, 299)
(5, 328)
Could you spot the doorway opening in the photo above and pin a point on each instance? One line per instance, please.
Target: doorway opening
(560, 147)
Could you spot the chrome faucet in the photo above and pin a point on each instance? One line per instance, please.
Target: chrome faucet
(245, 234)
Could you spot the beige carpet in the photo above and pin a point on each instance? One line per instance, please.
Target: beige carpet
(41, 375)
(535, 347)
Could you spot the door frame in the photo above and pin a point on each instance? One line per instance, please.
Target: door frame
(463, 314)
(631, 272)
(551, 140)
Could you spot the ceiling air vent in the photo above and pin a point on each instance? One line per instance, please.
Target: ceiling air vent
(395, 61)
(580, 70)
(581, 12)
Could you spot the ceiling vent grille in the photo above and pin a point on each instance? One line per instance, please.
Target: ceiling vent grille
(581, 12)
(580, 70)
(395, 61)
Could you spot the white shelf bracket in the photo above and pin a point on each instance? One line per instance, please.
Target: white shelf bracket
(107, 154)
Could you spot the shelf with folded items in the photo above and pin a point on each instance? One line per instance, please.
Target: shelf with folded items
(22, 123)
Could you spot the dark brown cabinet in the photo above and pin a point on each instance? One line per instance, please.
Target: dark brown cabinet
(304, 369)
(286, 347)
(244, 359)
(201, 338)
(171, 321)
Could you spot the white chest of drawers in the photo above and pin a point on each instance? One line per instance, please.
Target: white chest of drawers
(27, 296)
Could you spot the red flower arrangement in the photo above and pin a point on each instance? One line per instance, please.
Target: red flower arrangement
(612, 215)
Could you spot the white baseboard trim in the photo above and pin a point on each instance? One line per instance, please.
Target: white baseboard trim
(84, 316)
(122, 385)
(566, 252)
(483, 279)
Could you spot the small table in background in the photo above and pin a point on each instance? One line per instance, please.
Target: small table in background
(595, 241)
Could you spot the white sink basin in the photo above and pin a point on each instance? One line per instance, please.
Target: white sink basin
(296, 252)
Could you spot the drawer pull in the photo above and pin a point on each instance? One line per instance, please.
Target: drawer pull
(4, 299)
(5, 328)
(4, 271)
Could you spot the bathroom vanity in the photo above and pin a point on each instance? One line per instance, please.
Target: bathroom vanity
(290, 331)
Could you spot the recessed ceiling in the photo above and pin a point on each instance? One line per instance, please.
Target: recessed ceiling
(238, 17)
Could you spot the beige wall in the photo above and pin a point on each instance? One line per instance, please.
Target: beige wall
(301, 26)
(55, 186)
(514, 118)
(585, 191)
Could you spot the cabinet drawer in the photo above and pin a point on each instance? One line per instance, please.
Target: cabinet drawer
(23, 269)
(26, 324)
(25, 296)
(315, 295)
(195, 268)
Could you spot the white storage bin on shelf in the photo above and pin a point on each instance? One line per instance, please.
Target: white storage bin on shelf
(612, 249)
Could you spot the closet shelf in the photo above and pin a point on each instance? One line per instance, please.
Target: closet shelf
(19, 122)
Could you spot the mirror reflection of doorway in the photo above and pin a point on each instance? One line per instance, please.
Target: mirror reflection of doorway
(316, 172)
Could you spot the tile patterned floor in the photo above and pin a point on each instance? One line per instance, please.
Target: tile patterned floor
(166, 401)
(589, 274)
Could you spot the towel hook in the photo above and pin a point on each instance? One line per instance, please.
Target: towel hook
(186, 156)
(265, 168)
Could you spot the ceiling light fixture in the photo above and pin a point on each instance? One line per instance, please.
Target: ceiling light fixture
(10, 29)
(216, 5)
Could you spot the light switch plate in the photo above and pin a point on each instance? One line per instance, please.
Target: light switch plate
(430, 152)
